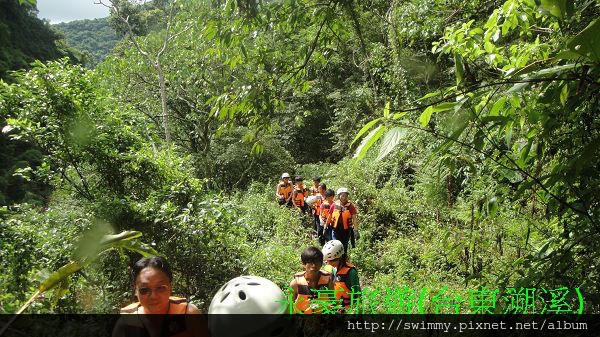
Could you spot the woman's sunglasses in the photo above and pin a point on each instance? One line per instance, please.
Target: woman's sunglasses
(158, 290)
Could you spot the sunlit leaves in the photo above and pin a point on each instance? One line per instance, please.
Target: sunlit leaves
(558, 8)
(59, 280)
(386, 110)
(28, 2)
(532, 77)
(426, 115)
(368, 141)
(364, 129)
(390, 141)
(528, 120)
(59, 276)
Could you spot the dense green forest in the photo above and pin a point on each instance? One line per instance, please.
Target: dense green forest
(25, 38)
(466, 131)
(95, 38)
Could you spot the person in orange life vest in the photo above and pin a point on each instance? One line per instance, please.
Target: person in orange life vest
(284, 190)
(343, 219)
(316, 209)
(314, 191)
(299, 194)
(305, 284)
(157, 313)
(325, 206)
(345, 275)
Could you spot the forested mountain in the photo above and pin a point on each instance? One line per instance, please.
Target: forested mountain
(96, 38)
(467, 133)
(25, 38)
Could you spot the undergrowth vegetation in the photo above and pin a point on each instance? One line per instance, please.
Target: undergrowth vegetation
(471, 152)
(408, 241)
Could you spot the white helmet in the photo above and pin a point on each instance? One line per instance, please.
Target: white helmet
(342, 190)
(285, 175)
(249, 295)
(333, 249)
(310, 200)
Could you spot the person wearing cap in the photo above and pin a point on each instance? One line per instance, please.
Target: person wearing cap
(343, 219)
(284, 190)
(345, 276)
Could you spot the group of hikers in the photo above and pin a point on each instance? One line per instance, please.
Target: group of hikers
(327, 284)
(158, 313)
(335, 223)
(332, 219)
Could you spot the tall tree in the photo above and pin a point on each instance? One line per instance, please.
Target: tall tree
(121, 11)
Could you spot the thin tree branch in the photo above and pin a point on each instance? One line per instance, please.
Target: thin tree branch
(472, 89)
(313, 47)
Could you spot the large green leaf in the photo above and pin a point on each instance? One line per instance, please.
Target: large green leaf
(386, 110)
(137, 247)
(366, 144)
(459, 68)
(125, 235)
(499, 104)
(390, 141)
(61, 290)
(123, 240)
(59, 276)
(546, 72)
(398, 115)
(426, 115)
(364, 129)
(91, 243)
(586, 43)
(429, 95)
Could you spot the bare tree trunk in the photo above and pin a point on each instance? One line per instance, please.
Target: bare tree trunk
(163, 100)
(154, 63)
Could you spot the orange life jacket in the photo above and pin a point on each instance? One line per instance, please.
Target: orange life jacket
(306, 294)
(341, 284)
(317, 207)
(325, 211)
(173, 325)
(342, 212)
(285, 189)
(299, 198)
